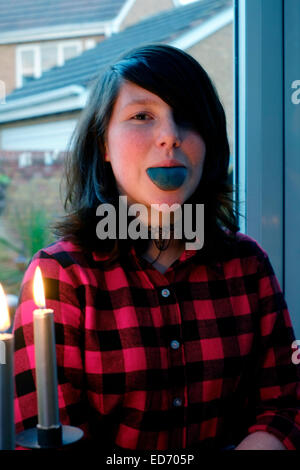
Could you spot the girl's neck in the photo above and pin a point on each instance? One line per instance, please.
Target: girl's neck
(163, 259)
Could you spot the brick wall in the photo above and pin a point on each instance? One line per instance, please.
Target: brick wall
(29, 164)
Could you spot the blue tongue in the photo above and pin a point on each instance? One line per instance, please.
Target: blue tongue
(167, 178)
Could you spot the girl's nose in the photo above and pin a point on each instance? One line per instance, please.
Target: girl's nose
(168, 134)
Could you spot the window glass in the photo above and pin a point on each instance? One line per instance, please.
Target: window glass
(48, 56)
(70, 51)
(27, 64)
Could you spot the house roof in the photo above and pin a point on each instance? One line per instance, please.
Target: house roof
(17, 15)
(163, 27)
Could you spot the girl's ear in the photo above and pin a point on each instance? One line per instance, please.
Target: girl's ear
(106, 155)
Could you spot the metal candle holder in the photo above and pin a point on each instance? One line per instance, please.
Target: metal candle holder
(49, 438)
(49, 433)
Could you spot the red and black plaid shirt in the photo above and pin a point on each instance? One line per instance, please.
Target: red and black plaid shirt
(199, 356)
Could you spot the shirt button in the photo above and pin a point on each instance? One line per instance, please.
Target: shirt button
(175, 344)
(177, 402)
(165, 292)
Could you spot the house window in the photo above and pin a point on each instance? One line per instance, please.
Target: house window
(48, 56)
(27, 62)
(70, 51)
(90, 43)
(33, 60)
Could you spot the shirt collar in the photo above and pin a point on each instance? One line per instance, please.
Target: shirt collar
(185, 256)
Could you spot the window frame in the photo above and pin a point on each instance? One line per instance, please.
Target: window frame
(62, 45)
(259, 124)
(37, 62)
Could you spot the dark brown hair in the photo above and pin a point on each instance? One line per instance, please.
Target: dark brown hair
(181, 82)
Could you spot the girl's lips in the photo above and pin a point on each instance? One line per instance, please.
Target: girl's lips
(167, 178)
(168, 164)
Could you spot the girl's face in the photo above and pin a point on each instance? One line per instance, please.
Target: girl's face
(143, 134)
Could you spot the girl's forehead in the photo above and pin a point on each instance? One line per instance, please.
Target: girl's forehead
(130, 94)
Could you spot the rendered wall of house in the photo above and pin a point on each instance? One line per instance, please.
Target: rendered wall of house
(8, 66)
(145, 8)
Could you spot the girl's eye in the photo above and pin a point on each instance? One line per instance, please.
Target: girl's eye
(141, 117)
(184, 122)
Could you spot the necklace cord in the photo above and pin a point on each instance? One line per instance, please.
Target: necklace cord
(161, 244)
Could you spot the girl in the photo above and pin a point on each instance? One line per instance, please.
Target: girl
(160, 347)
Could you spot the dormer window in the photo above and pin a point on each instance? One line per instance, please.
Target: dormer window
(27, 63)
(33, 60)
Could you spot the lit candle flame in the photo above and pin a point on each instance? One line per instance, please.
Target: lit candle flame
(38, 289)
(4, 313)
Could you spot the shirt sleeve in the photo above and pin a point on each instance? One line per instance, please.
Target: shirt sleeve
(61, 296)
(277, 377)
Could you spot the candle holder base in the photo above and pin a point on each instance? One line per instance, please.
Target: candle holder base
(31, 438)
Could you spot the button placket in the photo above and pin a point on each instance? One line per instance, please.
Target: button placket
(177, 390)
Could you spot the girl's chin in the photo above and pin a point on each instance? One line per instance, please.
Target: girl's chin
(157, 196)
(169, 198)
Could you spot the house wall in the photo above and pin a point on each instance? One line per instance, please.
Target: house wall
(215, 54)
(145, 8)
(8, 58)
(8, 66)
(47, 133)
(35, 164)
(140, 10)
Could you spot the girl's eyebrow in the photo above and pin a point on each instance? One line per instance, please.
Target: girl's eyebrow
(142, 101)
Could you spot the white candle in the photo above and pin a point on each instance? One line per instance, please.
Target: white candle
(7, 425)
(45, 358)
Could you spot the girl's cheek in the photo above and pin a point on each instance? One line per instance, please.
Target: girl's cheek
(139, 141)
